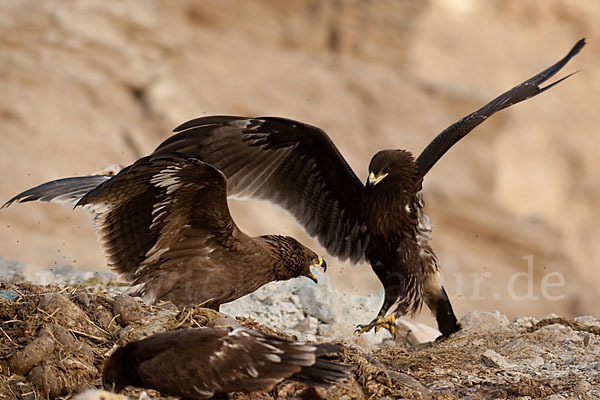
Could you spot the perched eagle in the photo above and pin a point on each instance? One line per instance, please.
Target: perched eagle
(297, 167)
(164, 224)
(197, 363)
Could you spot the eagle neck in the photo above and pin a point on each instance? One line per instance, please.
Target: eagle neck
(283, 255)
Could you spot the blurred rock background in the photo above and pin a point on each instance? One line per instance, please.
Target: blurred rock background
(86, 84)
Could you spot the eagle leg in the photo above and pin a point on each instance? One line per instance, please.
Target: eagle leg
(388, 323)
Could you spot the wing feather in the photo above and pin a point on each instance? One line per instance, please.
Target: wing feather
(148, 212)
(291, 164)
(65, 191)
(525, 90)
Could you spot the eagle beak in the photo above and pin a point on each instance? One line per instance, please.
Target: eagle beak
(374, 180)
(313, 269)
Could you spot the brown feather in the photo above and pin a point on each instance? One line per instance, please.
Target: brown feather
(164, 223)
(196, 363)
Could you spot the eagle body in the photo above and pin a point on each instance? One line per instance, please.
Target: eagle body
(197, 363)
(211, 281)
(165, 226)
(399, 233)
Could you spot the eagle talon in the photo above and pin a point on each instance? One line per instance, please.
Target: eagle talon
(388, 323)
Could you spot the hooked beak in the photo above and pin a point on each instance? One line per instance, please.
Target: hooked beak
(313, 269)
(374, 180)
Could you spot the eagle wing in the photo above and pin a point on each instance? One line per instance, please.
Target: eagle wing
(523, 91)
(291, 164)
(162, 206)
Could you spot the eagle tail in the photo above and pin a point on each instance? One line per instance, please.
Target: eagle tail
(325, 371)
(65, 191)
(447, 323)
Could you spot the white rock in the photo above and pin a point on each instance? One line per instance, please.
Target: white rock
(588, 320)
(555, 397)
(95, 394)
(494, 360)
(414, 333)
(482, 321)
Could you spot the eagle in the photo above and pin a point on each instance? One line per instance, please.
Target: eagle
(197, 363)
(164, 224)
(298, 167)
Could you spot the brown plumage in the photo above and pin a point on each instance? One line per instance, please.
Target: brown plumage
(164, 224)
(297, 167)
(197, 363)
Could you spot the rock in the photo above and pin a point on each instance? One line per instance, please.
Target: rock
(150, 325)
(35, 352)
(524, 322)
(49, 379)
(556, 333)
(127, 309)
(308, 325)
(67, 314)
(106, 319)
(582, 388)
(414, 333)
(527, 355)
(222, 322)
(287, 304)
(70, 344)
(588, 320)
(95, 394)
(482, 321)
(317, 302)
(402, 379)
(494, 360)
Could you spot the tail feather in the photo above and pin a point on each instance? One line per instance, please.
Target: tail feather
(65, 191)
(324, 372)
(445, 317)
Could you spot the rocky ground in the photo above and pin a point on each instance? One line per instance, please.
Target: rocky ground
(54, 340)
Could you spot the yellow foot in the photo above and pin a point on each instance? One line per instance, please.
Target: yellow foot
(388, 323)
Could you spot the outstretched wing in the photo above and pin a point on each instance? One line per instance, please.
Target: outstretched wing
(291, 164)
(166, 205)
(449, 136)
